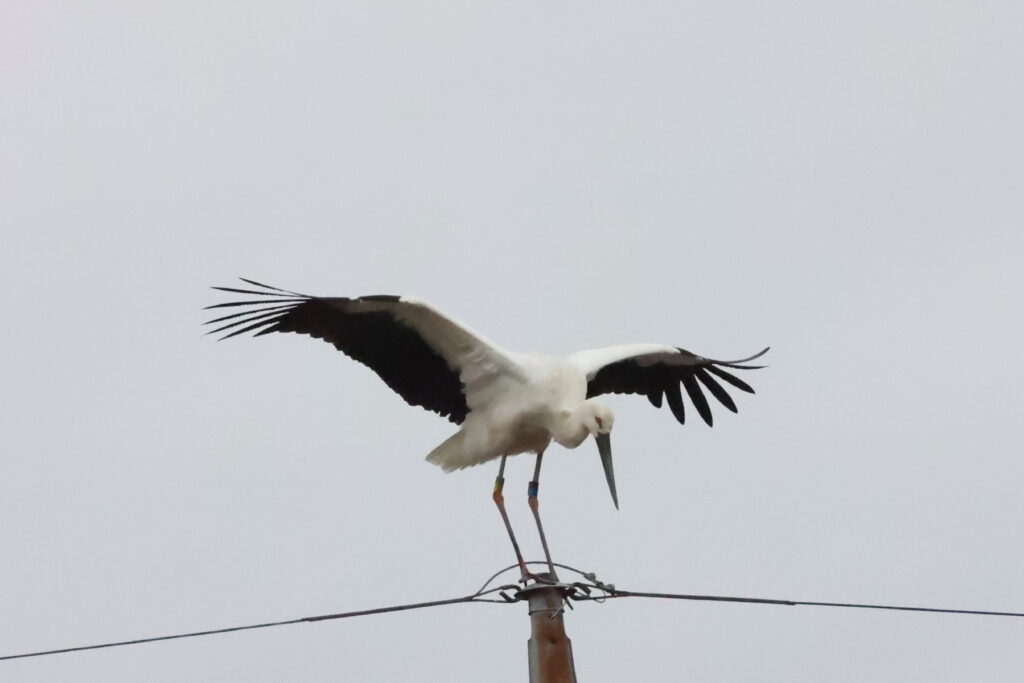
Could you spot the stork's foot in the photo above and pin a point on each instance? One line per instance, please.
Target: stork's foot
(526, 576)
(536, 578)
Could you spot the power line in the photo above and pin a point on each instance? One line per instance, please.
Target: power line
(476, 597)
(616, 593)
(592, 589)
(607, 591)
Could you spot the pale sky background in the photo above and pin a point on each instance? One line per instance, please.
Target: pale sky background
(842, 181)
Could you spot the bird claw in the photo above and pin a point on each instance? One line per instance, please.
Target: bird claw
(528, 576)
(543, 579)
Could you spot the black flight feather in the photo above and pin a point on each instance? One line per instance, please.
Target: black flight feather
(375, 338)
(659, 376)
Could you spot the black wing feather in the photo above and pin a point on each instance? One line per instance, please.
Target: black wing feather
(393, 350)
(675, 402)
(697, 396)
(654, 396)
(731, 379)
(653, 380)
(716, 389)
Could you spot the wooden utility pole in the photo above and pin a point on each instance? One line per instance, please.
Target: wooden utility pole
(550, 649)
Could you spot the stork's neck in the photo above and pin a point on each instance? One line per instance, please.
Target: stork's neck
(569, 432)
(570, 427)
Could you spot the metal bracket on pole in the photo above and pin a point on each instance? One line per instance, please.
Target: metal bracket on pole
(550, 649)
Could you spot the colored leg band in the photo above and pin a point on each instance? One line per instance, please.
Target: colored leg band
(531, 490)
(499, 484)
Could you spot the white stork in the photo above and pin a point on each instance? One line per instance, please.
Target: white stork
(506, 403)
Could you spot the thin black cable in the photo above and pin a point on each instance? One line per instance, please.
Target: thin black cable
(476, 597)
(616, 593)
(514, 566)
(607, 591)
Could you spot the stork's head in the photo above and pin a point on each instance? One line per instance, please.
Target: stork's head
(598, 421)
(596, 418)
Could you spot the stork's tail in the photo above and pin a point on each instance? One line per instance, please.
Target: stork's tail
(454, 454)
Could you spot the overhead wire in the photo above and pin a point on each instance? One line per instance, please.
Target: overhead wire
(619, 593)
(475, 597)
(593, 589)
(586, 575)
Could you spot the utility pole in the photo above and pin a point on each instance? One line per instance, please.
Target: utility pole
(549, 647)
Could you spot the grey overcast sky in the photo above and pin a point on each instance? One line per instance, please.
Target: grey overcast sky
(840, 180)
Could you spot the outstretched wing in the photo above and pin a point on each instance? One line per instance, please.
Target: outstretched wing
(423, 355)
(658, 371)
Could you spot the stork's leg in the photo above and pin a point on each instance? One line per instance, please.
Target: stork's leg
(499, 500)
(534, 504)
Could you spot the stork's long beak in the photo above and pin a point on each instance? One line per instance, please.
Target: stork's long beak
(604, 447)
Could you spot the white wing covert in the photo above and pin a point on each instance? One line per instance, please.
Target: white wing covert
(422, 354)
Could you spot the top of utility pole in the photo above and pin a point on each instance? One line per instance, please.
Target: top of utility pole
(550, 648)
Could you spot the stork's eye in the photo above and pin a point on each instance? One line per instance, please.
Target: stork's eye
(600, 425)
